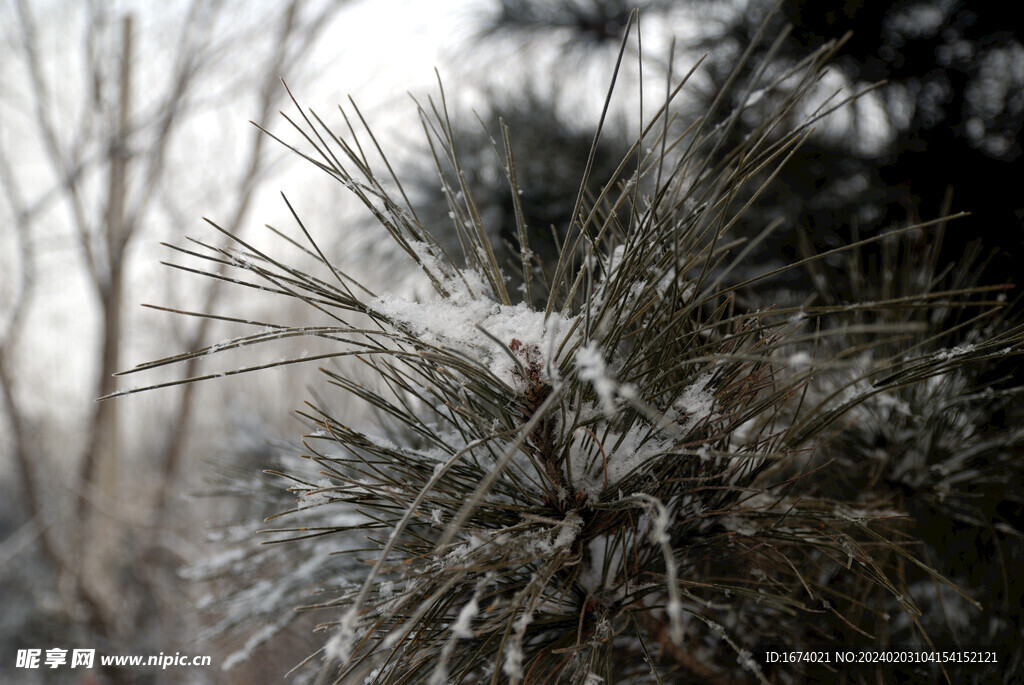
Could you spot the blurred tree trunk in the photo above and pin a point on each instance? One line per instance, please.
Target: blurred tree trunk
(101, 462)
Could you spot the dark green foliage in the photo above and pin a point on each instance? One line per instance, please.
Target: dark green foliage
(942, 132)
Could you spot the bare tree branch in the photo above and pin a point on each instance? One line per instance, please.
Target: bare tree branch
(187, 68)
(9, 334)
(270, 94)
(47, 130)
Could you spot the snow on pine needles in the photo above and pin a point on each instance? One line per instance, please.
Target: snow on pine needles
(628, 474)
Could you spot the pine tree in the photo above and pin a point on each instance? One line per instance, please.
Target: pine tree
(631, 469)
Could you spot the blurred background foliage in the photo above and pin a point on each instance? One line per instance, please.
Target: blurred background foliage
(941, 132)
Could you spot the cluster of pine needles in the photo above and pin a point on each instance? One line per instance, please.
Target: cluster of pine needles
(631, 465)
